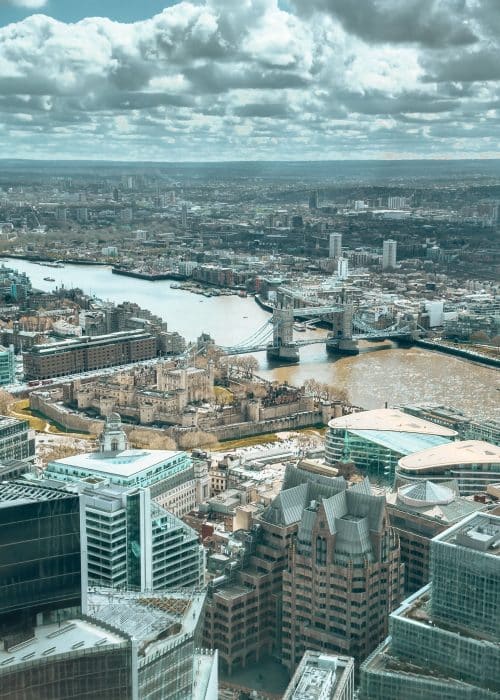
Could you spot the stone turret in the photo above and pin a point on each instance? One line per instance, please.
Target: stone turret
(113, 437)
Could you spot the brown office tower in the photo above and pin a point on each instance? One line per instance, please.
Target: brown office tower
(243, 609)
(344, 575)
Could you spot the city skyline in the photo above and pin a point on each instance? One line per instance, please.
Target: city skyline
(213, 80)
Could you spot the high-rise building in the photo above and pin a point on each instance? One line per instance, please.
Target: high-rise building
(444, 640)
(7, 365)
(335, 245)
(134, 543)
(313, 200)
(344, 575)
(287, 602)
(40, 552)
(389, 254)
(17, 440)
(342, 268)
(322, 677)
(184, 214)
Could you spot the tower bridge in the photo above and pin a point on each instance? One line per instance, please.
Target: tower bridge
(276, 335)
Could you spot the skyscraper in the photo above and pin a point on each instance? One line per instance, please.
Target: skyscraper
(389, 254)
(335, 245)
(313, 200)
(444, 640)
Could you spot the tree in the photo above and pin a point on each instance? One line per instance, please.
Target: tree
(148, 439)
(6, 400)
(59, 452)
(196, 438)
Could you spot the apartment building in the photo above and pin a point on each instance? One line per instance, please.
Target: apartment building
(88, 353)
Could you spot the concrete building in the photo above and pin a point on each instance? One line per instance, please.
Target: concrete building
(169, 475)
(473, 463)
(419, 512)
(88, 353)
(444, 640)
(335, 246)
(132, 542)
(252, 593)
(17, 440)
(57, 640)
(7, 365)
(322, 677)
(375, 440)
(468, 428)
(389, 254)
(344, 575)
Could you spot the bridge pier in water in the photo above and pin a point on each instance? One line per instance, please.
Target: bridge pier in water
(283, 348)
(341, 342)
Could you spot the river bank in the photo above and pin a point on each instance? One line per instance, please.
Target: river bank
(382, 372)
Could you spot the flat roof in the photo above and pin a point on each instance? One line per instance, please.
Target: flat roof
(451, 453)
(127, 463)
(73, 635)
(390, 419)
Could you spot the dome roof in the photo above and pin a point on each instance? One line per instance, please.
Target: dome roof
(426, 493)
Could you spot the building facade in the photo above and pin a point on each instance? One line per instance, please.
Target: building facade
(88, 353)
(376, 440)
(343, 579)
(17, 440)
(444, 640)
(7, 365)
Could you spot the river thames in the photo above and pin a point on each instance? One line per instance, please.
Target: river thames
(381, 372)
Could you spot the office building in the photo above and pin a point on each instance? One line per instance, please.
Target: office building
(342, 268)
(264, 588)
(335, 247)
(17, 440)
(344, 575)
(168, 474)
(313, 200)
(419, 512)
(132, 542)
(389, 254)
(59, 641)
(467, 428)
(472, 463)
(444, 640)
(129, 646)
(377, 439)
(40, 553)
(322, 677)
(88, 353)
(7, 365)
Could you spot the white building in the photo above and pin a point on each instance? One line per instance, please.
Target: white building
(322, 677)
(389, 254)
(343, 268)
(170, 475)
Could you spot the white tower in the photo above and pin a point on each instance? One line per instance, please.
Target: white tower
(113, 437)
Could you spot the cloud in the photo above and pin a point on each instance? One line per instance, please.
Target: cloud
(219, 79)
(430, 23)
(28, 4)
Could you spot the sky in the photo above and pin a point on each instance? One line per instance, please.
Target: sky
(215, 80)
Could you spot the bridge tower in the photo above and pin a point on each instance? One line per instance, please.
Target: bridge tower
(342, 343)
(283, 347)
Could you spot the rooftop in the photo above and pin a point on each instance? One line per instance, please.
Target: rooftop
(401, 442)
(480, 532)
(49, 640)
(451, 453)
(390, 419)
(127, 464)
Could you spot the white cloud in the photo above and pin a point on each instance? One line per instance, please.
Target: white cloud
(225, 79)
(28, 4)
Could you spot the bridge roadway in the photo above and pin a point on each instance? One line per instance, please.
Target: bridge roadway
(392, 335)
